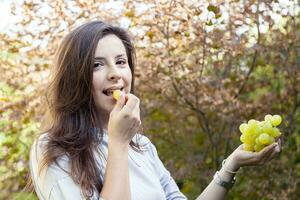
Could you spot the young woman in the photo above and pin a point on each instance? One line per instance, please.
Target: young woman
(92, 148)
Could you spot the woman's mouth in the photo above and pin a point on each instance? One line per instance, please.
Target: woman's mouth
(109, 92)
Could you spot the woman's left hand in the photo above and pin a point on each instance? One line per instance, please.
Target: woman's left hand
(241, 158)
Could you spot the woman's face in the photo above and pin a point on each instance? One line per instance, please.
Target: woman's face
(111, 72)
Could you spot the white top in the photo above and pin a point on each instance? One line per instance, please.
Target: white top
(149, 179)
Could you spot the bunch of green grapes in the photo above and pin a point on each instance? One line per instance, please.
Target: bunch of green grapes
(258, 134)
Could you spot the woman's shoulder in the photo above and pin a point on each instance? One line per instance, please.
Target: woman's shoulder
(37, 155)
(40, 142)
(38, 147)
(49, 177)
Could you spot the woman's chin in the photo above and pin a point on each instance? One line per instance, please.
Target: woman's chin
(106, 104)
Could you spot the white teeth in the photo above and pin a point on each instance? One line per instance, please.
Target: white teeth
(110, 92)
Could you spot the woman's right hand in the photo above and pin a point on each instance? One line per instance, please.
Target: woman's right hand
(124, 120)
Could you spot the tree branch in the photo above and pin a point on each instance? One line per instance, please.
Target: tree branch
(253, 64)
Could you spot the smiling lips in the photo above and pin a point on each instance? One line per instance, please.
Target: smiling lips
(109, 91)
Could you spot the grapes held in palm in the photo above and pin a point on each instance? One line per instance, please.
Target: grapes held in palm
(258, 134)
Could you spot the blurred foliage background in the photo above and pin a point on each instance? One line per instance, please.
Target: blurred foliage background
(204, 67)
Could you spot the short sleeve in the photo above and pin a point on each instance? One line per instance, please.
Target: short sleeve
(168, 184)
(53, 183)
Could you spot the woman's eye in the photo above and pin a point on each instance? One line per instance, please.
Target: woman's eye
(121, 62)
(98, 65)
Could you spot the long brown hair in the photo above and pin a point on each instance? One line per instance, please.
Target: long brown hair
(75, 125)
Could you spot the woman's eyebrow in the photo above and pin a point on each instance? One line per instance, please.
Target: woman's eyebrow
(99, 58)
(102, 58)
(120, 55)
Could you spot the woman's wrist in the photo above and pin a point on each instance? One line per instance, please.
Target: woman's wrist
(117, 145)
(226, 176)
(231, 164)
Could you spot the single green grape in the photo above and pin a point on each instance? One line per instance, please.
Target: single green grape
(264, 138)
(258, 130)
(253, 125)
(252, 122)
(243, 138)
(248, 131)
(250, 139)
(117, 94)
(275, 132)
(257, 147)
(276, 120)
(267, 127)
(271, 140)
(243, 127)
(272, 133)
(257, 141)
(268, 117)
(248, 147)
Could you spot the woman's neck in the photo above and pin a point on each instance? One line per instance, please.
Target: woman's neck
(105, 119)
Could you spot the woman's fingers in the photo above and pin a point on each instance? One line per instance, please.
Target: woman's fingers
(136, 109)
(123, 125)
(259, 157)
(279, 143)
(276, 151)
(132, 110)
(266, 150)
(136, 114)
(273, 154)
(266, 153)
(131, 103)
(240, 147)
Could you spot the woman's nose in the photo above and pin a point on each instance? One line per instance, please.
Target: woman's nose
(114, 74)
